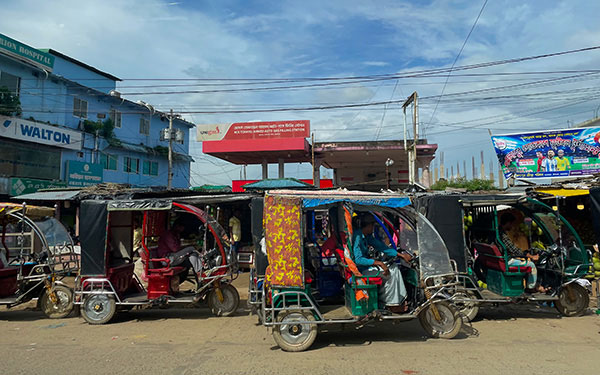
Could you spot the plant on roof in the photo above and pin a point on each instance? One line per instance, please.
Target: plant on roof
(104, 128)
(162, 150)
(475, 184)
(10, 105)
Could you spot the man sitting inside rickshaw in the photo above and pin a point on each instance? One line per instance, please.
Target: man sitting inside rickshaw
(518, 256)
(169, 246)
(392, 292)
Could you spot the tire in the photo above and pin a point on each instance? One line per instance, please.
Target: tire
(448, 327)
(64, 305)
(230, 303)
(575, 307)
(98, 308)
(468, 310)
(292, 337)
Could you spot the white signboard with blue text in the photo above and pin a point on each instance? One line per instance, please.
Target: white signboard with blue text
(31, 131)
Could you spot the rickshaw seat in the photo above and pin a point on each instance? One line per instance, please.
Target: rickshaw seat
(491, 257)
(347, 274)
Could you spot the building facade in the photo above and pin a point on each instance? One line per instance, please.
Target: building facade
(74, 129)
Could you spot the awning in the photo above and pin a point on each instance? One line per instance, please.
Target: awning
(564, 192)
(62, 195)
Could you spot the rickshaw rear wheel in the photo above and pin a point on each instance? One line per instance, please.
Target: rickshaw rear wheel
(98, 308)
(449, 324)
(230, 303)
(573, 299)
(64, 302)
(292, 336)
(468, 310)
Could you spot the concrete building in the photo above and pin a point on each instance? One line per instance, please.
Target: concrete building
(62, 136)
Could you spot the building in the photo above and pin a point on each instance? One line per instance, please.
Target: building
(356, 165)
(74, 129)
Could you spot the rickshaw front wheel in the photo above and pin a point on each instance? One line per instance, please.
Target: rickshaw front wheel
(573, 299)
(227, 303)
(294, 334)
(448, 325)
(98, 308)
(64, 302)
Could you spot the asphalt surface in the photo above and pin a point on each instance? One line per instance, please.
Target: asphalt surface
(520, 339)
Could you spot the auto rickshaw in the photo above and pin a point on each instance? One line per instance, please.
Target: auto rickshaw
(291, 305)
(107, 280)
(470, 226)
(36, 254)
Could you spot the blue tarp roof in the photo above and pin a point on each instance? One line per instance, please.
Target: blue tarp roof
(392, 202)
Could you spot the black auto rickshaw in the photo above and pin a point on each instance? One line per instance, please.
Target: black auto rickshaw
(36, 254)
(470, 227)
(107, 281)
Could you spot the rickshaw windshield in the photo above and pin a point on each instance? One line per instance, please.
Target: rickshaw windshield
(434, 259)
(54, 232)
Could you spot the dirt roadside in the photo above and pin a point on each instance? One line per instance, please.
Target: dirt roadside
(520, 339)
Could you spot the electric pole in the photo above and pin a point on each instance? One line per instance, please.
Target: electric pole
(170, 176)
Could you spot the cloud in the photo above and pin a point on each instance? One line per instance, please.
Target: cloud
(376, 63)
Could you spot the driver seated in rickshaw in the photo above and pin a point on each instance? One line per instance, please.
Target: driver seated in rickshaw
(169, 246)
(392, 292)
(517, 256)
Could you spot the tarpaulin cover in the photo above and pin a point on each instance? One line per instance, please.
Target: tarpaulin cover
(92, 229)
(445, 213)
(139, 205)
(392, 202)
(261, 262)
(283, 235)
(595, 199)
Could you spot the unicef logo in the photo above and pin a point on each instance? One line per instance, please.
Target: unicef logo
(500, 144)
(86, 167)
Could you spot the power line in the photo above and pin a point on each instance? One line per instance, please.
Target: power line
(454, 63)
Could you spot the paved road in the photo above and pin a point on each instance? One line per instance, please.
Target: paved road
(521, 340)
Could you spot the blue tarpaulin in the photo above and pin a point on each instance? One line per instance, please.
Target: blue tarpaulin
(392, 202)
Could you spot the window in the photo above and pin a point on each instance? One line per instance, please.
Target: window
(144, 126)
(131, 165)
(115, 116)
(80, 108)
(109, 162)
(150, 168)
(12, 83)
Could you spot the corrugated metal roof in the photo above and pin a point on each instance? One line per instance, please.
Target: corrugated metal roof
(60, 195)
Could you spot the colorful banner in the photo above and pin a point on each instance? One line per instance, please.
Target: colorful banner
(253, 130)
(556, 153)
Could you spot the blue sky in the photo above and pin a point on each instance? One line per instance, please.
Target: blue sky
(291, 39)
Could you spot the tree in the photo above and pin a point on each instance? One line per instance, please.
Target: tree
(10, 105)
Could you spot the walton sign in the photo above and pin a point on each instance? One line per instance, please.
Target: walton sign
(24, 130)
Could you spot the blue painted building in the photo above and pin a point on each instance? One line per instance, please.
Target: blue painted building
(62, 135)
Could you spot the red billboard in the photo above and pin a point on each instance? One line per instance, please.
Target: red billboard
(253, 130)
(236, 185)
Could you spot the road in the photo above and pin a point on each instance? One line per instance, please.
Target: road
(518, 339)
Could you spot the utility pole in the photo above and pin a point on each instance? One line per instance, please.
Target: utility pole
(169, 135)
(170, 176)
(412, 152)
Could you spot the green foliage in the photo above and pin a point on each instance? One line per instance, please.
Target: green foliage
(162, 150)
(462, 183)
(10, 105)
(105, 129)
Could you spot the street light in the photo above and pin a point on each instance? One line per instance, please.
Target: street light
(388, 163)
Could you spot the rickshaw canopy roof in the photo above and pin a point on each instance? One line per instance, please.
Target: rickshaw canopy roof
(325, 198)
(31, 211)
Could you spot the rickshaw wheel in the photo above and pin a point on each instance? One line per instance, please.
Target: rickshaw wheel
(292, 336)
(572, 300)
(64, 304)
(98, 308)
(450, 321)
(468, 310)
(230, 303)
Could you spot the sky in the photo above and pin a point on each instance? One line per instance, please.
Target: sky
(180, 41)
